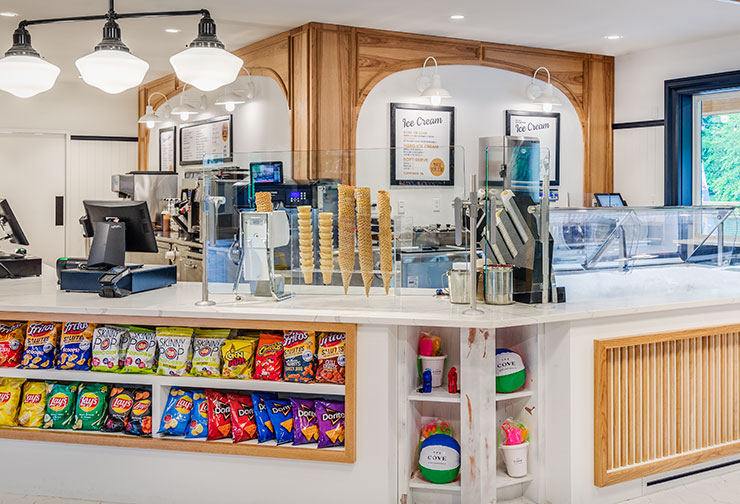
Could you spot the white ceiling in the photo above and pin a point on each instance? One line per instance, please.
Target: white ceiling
(577, 25)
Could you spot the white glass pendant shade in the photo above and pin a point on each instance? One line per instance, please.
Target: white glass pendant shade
(229, 100)
(206, 68)
(436, 92)
(547, 99)
(112, 70)
(149, 118)
(25, 76)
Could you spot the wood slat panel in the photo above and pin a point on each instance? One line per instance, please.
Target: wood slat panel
(665, 401)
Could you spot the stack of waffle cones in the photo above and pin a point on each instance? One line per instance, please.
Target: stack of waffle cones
(346, 233)
(326, 245)
(365, 236)
(305, 237)
(385, 238)
(263, 201)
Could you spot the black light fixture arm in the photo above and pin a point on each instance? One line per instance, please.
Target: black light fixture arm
(115, 15)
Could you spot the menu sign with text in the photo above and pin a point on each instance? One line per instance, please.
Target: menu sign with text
(545, 127)
(211, 137)
(422, 144)
(167, 149)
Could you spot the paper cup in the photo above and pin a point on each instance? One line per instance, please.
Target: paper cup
(437, 366)
(515, 458)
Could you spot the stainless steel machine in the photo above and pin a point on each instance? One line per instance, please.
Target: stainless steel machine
(154, 187)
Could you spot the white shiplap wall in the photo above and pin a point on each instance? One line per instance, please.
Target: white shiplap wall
(92, 163)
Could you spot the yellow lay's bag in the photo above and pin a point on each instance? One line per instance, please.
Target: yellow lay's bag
(10, 397)
(33, 405)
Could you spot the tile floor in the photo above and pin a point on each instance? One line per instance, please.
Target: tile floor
(722, 489)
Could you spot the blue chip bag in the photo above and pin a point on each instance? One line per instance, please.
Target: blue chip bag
(281, 416)
(199, 418)
(75, 346)
(265, 430)
(177, 412)
(41, 345)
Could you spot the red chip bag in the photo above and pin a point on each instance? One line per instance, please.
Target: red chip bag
(219, 415)
(331, 358)
(243, 426)
(12, 336)
(268, 364)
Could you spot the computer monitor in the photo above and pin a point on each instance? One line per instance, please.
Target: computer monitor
(270, 172)
(10, 225)
(609, 200)
(117, 227)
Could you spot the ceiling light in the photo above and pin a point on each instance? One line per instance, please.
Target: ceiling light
(22, 71)
(184, 109)
(8, 14)
(111, 67)
(457, 17)
(205, 64)
(172, 30)
(543, 95)
(431, 88)
(613, 37)
(150, 118)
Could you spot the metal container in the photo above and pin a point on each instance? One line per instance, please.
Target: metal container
(457, 279)
(499, 284)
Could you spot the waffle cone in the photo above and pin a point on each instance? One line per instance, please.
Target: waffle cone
(305, 237)
(263, 201)
(385, 238)
(364, 237)
(346, 223)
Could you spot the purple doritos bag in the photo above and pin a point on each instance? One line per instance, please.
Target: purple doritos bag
(305, 423)
(330, 416)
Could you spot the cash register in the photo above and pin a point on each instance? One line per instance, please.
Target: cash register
(18, 264)
(116, 227)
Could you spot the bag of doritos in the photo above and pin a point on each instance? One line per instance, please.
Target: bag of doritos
(11, 390)
(330, 417)
(12, 335)
(219, 415)
(119, 408)
(91, 406)
(199, 418)
(60, 406)
(141, 351)
(108, 351)
(281, 417)
(207, 351)
(33, 404)
(75, 346)
(41, 345)
(175, 350)
(305, 423)
(177, 412)
(331, 358)
(243, 427)
(139, 423)
(265, 431)
(238, 356)
(299, 354)
(268, 364)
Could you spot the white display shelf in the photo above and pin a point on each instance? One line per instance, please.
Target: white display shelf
(251, 442)
(513, 395)
(519, 500)
(439, 394)
(325, 389)
(504, 480)
(420, 483)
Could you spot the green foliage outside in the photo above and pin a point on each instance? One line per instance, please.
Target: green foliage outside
(720, 156)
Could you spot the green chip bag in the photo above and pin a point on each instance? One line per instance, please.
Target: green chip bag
(91, 406)
(60, 406)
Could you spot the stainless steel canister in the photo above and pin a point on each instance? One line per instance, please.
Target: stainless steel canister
(457, 279)
(500, 284)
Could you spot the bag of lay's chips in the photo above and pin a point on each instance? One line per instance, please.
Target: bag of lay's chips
(75, 346)
(60, 406)
(33, 404)
(281, 417)
(107, 348)
(238, 356)
(175, 349)
(12, 335)
(299, 355)
(120, 403)
(331, 358)
(91, 406)
(330, 417)
(177, 412)
(141, 351)
(243, 426)
(268, 364)
(41, 345)
(207, 345)
(139, 423)
(305, 423)
(199, 418)
(219, 415)
(265, 430)
(11, 390)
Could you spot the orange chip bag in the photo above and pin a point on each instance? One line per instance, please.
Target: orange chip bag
(299, 356)
(11, 390)
(268, 364)
(12, 335)
(331, 358)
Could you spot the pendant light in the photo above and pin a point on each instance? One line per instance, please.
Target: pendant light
(184, 110)
(543, 95)
(111, 67)
(150, 118)
(205, 64)
(431, 88)
(22, 71)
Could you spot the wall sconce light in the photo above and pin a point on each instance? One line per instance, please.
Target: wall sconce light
(542, 95)
(231, 98)
(184, 109)
(431, 88)
(150, 118)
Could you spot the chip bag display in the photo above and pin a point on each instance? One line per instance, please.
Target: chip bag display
(305, 423)
(330, 417)
(219, 414)
(177, 412)
(108, 350)
(120, 404)
(331, 358)
(12, 335)
(91, 406)
(11, 390)
(243, 426)
(41, 345)
(139, 423)
(141, 351)
(175, 350)
(238, 356)
(75, 346)
(207, 352)
(199, 418)
(281, 417)
(299, 355)
(33, 404)
(60, 406)
(268, 364)
(265, 431)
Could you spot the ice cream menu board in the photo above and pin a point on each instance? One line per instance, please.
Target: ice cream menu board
(422, 144)
(210, 137)
(167, 149)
